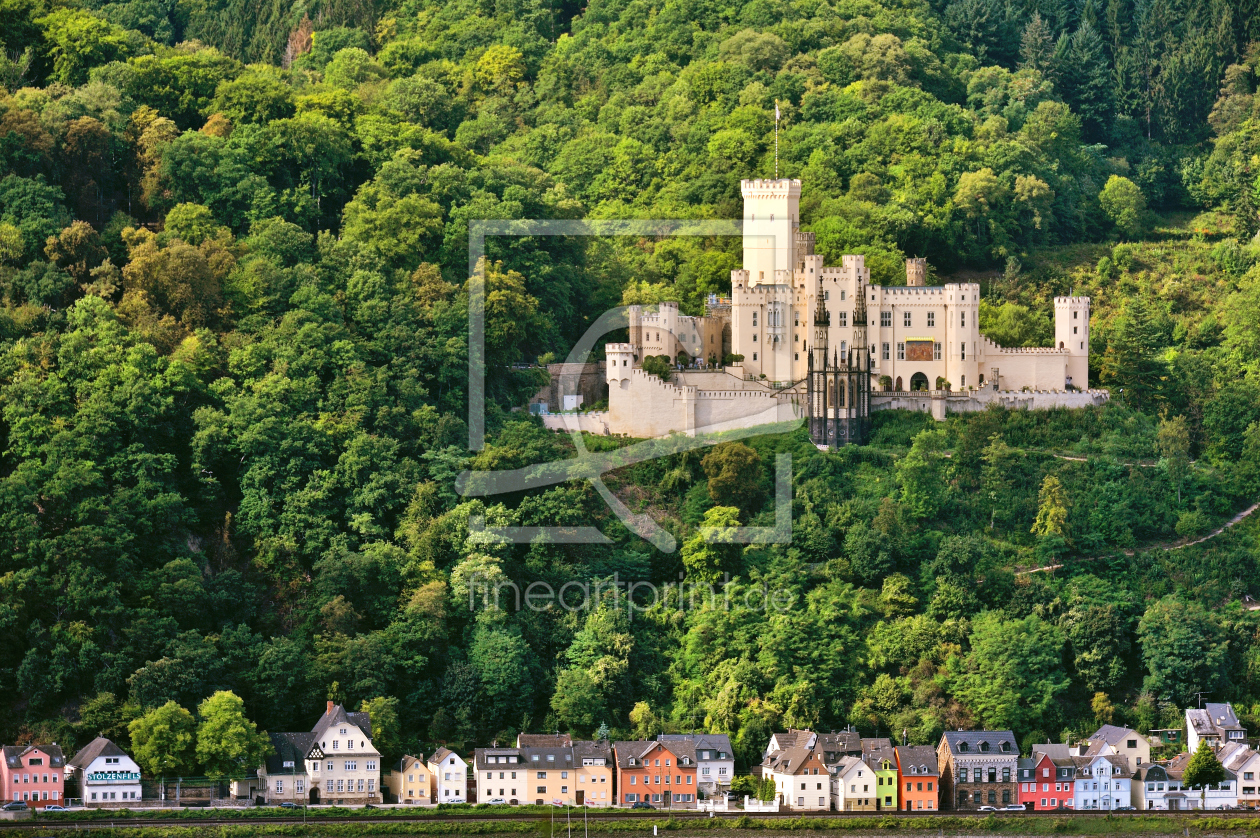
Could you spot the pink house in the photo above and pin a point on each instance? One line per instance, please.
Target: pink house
(34, 774)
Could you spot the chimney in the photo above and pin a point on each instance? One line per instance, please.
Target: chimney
(330, 705)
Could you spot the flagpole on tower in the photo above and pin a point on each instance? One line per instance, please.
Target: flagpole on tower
(776, 139)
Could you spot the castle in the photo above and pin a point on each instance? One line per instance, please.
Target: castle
(799, 339)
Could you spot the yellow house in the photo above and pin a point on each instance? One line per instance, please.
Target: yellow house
(410, 781)
(594, 773)
(546, 768)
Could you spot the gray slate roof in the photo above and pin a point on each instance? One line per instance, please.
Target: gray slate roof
(98, 747)
(920, 756)
(974, 739)
(336, 715)
(289, 747)
(13, 754)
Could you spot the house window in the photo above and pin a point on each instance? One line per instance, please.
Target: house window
(330, 786)
(340, 785)
(279, 786)
(336, 744)
(371, 765)
(299, 786)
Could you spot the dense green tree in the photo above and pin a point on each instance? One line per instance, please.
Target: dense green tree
(164, 741)
(1013, 675)
(1183, 650)
(228, 744)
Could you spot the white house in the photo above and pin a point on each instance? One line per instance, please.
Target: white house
(106, 775)
(1223, 795)
(1244, 763)
(853, 786)
(450, 776)
(1155, 788)
(1217, 723)
(1102, 782)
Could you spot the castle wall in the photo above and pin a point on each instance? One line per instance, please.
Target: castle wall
(974, 401)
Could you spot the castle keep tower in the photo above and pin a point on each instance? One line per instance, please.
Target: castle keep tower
(1071, 334)
(916, 273)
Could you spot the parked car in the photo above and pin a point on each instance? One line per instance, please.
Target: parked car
(289, 804)
(987, 809)
(1014, 807)
(53, 807)
(642, 804)
(1132, 809)
(730, 795)
(497, 801)
(15, 806)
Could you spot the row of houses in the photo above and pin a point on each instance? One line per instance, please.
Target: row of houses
(670, 771)
(336, 763)
(39, 775)
(980, 770)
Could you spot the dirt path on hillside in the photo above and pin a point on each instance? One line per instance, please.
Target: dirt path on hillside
(1237, 519)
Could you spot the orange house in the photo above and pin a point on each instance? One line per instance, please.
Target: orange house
(663, 776)
(919, 778)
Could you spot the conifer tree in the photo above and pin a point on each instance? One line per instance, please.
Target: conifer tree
(1036, 49)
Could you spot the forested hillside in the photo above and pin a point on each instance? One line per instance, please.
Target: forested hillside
(233, 253)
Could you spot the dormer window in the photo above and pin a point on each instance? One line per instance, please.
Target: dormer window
(288, 763)
(342, 731)
(984, 747)
(923, 769)
(630, 761)
(962, 747)
(551, 757)
(1005, 747)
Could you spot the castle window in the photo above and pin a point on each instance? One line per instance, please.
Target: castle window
(931, 318)
(844, 318)
(963, 347)
(754, 338)
(826, 296)
(962, 382)
(901, 352)
(885, 353)
(798, 356)
(963, 316)
(936, 351)
(754, 356)
(844, 349)
(1074, 314)
(1074, 328)
(905, 319)
(754, 319)
(885, 318)
(842, 294)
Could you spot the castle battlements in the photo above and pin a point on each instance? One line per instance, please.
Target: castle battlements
(787, 309)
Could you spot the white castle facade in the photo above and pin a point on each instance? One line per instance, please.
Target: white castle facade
(789, 315)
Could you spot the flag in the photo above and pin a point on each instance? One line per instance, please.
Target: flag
(776, 110)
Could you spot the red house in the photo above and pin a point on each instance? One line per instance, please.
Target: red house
(33, 774)
(1045, 785)
(659, 774)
